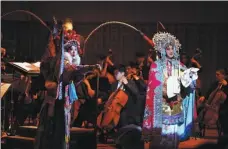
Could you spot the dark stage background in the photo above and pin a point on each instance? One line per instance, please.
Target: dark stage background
(201, 25)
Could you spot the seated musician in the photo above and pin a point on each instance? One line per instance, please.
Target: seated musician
(107, 67)
(128, 130)
(221, 95)
(144, 64)
(133, 74)
(127, 115)
(87, 91)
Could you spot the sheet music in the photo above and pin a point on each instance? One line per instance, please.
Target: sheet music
(27, 66)
(37, 64)
(4, 88)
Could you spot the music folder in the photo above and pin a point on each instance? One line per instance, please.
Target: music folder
(25, 67)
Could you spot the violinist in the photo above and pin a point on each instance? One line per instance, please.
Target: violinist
(107, 67)
(220, 83)
(191, 62)
(144, 63)
(91, 96)
(133, 74)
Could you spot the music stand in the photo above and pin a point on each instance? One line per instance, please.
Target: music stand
(27, 69)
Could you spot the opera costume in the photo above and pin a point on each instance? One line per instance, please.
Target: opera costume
(170, 87)
(59, 71)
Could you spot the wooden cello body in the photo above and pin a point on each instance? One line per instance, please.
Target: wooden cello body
(109, 117)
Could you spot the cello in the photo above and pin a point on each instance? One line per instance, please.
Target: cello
(209, 115)
(109, 117)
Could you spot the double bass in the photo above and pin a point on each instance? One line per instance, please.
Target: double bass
(209, 115)
(109, 117)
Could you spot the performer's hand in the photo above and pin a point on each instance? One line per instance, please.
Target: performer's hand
(74, 66)
(201, 99)
(224, 82)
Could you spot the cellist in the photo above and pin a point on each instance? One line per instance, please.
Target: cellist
(220, 82)
(129, 87)
(128, 128)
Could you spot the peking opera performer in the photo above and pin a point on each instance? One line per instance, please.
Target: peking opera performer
(55, 116)
(170, 85)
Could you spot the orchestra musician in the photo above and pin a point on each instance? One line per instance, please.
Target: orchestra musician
(127, 114)
(107, 67)
(133, 74)
(217, 91)
(144, 63)
(92, 97)
(128, 129)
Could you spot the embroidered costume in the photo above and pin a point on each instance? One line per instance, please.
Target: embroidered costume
(58, 68)
(164, 115)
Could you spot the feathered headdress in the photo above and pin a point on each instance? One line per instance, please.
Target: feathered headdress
(162, 40)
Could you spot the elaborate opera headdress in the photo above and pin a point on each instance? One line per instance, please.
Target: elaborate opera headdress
(162, 40)
(71, 39)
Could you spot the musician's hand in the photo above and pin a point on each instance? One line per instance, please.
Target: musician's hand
(124, 80)
(193, 61)
(224, 82)
(201, 99)
(150, 60)
(108, 61)
(135, 77)
(35, 96)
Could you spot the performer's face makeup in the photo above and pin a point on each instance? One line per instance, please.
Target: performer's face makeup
(73, 51)
(169, 51)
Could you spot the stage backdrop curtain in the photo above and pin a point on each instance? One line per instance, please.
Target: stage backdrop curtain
(28, 40)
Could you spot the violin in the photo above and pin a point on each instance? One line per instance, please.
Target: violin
(108, 62)
(198, 54)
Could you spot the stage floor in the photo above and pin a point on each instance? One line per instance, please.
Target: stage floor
(211, 137)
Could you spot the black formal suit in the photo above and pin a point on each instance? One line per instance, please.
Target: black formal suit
(142, 87)
(128, 112)
(129, 132)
